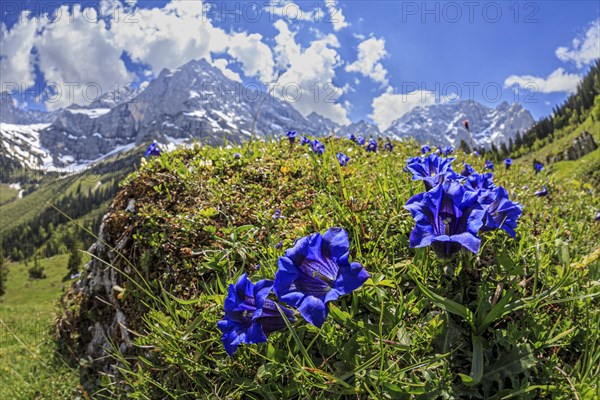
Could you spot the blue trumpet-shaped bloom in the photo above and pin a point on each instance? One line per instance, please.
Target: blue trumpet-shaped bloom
(291, 135)
(508, 162)
(304, 140)
(425, 149)
(448, 218)
(538, 167)
(480, 181)
(352, 137)
(542, 193)
(316, 271)
(372, 146)
(500, 212)
(388, 146)
(489, 165)
(342, 159)
(360, 140)
(431, 169)
(318, 147)
(448, 150)
(249, 315)
(152, 150)
(468, 170)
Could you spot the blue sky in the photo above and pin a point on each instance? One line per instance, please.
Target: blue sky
(348, 60)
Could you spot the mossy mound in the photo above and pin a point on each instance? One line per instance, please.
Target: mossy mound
(188, 223)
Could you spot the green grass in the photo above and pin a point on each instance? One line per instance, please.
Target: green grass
(204, 218)
(29, 366)
(7, 194)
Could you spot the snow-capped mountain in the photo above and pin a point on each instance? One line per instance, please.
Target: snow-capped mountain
(360, 128)
(11, 114)
(198, 102)
(442, 124)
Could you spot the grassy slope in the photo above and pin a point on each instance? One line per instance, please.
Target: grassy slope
(568, 170)
(385, 340)
(28, 366)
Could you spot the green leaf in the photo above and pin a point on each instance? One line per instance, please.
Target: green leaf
(476, 365)
(447, 304)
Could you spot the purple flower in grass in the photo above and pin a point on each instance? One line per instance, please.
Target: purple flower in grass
(372, 146)
(500, 212)
(448, 150)
(360, 140)
(508, 162)
(352, 137)
(448, 218)
(237, 156)
(304, 140)
(388, 146)
(542, 193)
(291, 135)
(342, 159)
(316, 271)
(480, 181)
(425, 149)
(249, 315)
(152, 150)
(318, 147)
(538, 167)
(431, 169)
(597, 217)
(489, 165)
(468, 170)
(476, 153)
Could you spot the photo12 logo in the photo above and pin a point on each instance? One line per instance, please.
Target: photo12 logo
(469, 11)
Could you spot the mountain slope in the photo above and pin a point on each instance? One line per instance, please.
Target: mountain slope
(442, 124)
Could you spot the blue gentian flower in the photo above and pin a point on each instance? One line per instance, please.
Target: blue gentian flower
(372, 146)
(237, 156)
(489, 165)
(277, 214)
(352, 137)
(291, 136)
(508, 162)
(360, 140)
(476, 153)
(431, 169)
(439, 150)
(342, 159)
(304, 140)
(316, 271)
(388, 146)
(425, 149)
(152, 150)
(448, 217)
(542, 193)
(597, 217)
(468, 170)
(318, 147)
(249, 315)
(480, 181)
(279, 245)
(538, 167)
(500, 212)
(448, 150)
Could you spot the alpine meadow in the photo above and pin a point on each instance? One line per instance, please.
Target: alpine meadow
(284, 200)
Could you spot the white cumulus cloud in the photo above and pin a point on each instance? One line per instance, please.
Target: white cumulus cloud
(584, 49)
(390, 106)
(333, 12)
(370, 52)
(557, 81)
(307, 74)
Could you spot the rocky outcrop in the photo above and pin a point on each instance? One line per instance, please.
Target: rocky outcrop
(93, 317)
(581, 145)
